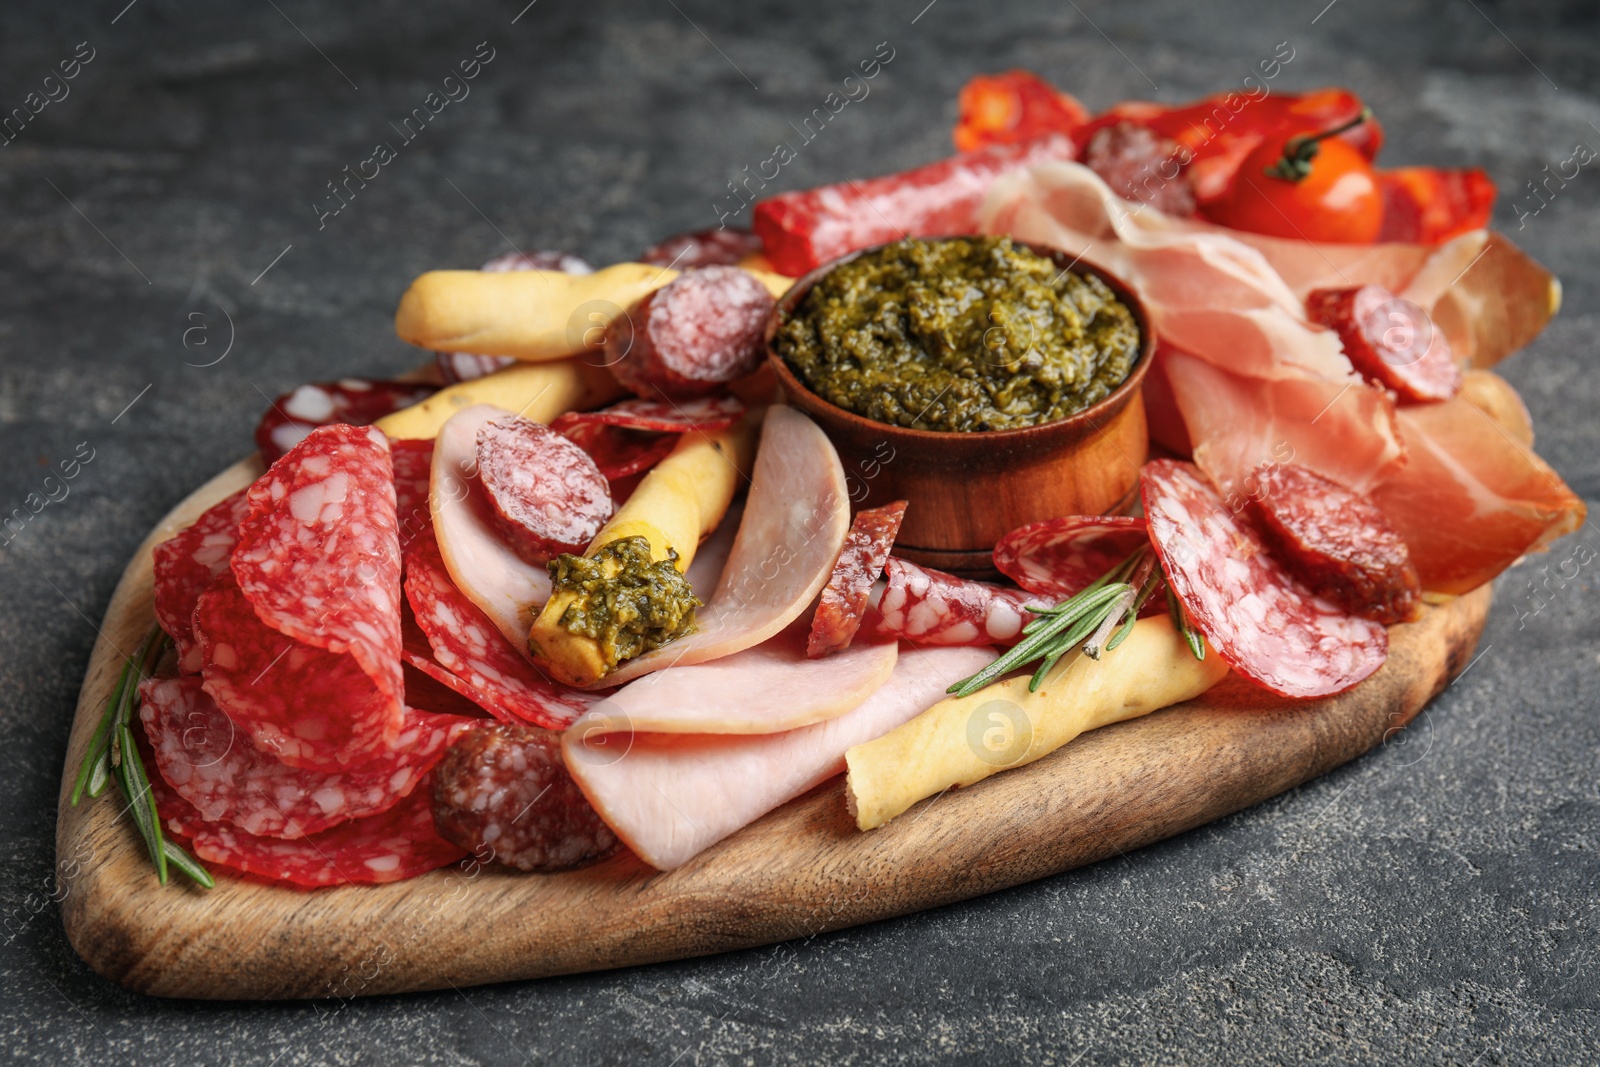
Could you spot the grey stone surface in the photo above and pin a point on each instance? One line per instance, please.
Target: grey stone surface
(1434, 902)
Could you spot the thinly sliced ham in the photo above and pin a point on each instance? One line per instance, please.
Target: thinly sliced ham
(483, 566)
(794, 524)
(705, 570)
(672, 796)
(767, 689)
(1472, 497)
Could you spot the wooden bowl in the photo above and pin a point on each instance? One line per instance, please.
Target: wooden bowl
(966, 490)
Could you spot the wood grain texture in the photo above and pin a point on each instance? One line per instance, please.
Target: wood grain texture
(801, 870)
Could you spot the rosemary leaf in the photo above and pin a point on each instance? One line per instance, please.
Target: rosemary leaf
(100, 743)
(142, 801)
(177, 857)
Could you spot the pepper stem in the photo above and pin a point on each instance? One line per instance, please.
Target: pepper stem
(1298, 152)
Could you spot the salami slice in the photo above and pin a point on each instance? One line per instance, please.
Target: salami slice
(413, 463)
(545, 493)
(661, 415)
(305, 705)
(1390, 340)
(1059, 557)
(503, 792)
(1336, 541)
(319, 555)
(844, 599)
(355, 401)
(427, 689)
(187, 563)
(724, 247)
(474, 652)
(1255, 614)
(565, 262)
(619, 453)
(391, 846)
(216, 768)
(698, 332)
(929, 607)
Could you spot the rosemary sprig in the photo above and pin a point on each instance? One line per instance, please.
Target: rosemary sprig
(1099, 617)
(113, 755)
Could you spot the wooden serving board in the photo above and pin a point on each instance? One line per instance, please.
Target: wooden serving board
(801, 870)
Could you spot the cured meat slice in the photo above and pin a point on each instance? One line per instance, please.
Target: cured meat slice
(489, 669)
(428, 690)
(700, 331)
(1059, 557)
(1134, 161)
(319, 554)
(307, 706)
(1347, 432)
(463, 366)
(355, 401)
(1337, 542)
(772, 687)
(541, 259)
(671, 796)
(1390, 340)
(1218, 300)
(388, 847)
(844, 598)
(794, 524)
(1472, 498)
(803, 230)
(502, 793)
(619, 454)
(413, 463)
(1255, 615)
(704, 248)
(220, 771)
(488, 571)
(546, 494)
(704, 413)
(186, 563)
(929, 607)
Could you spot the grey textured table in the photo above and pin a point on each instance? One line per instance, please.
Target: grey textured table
(1433, 902)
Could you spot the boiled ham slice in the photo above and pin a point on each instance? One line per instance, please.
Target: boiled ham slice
(672, 796)
(505, 587)
(794, 524)
(772, 687)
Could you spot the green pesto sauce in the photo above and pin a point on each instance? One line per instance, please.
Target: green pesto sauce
(959, 334)
(626, 601)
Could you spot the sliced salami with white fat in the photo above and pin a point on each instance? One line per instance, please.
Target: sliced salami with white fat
(929, 607)
(1263, 621)
(478, 660)
(187, 563)
(218, 769)
(1060, 557)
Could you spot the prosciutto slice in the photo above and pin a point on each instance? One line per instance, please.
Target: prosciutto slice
(772, 687)
(670, 797)
(1221, 301)
(794, 524)
(1473, 497)
(504, 586)
(1345, 431)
